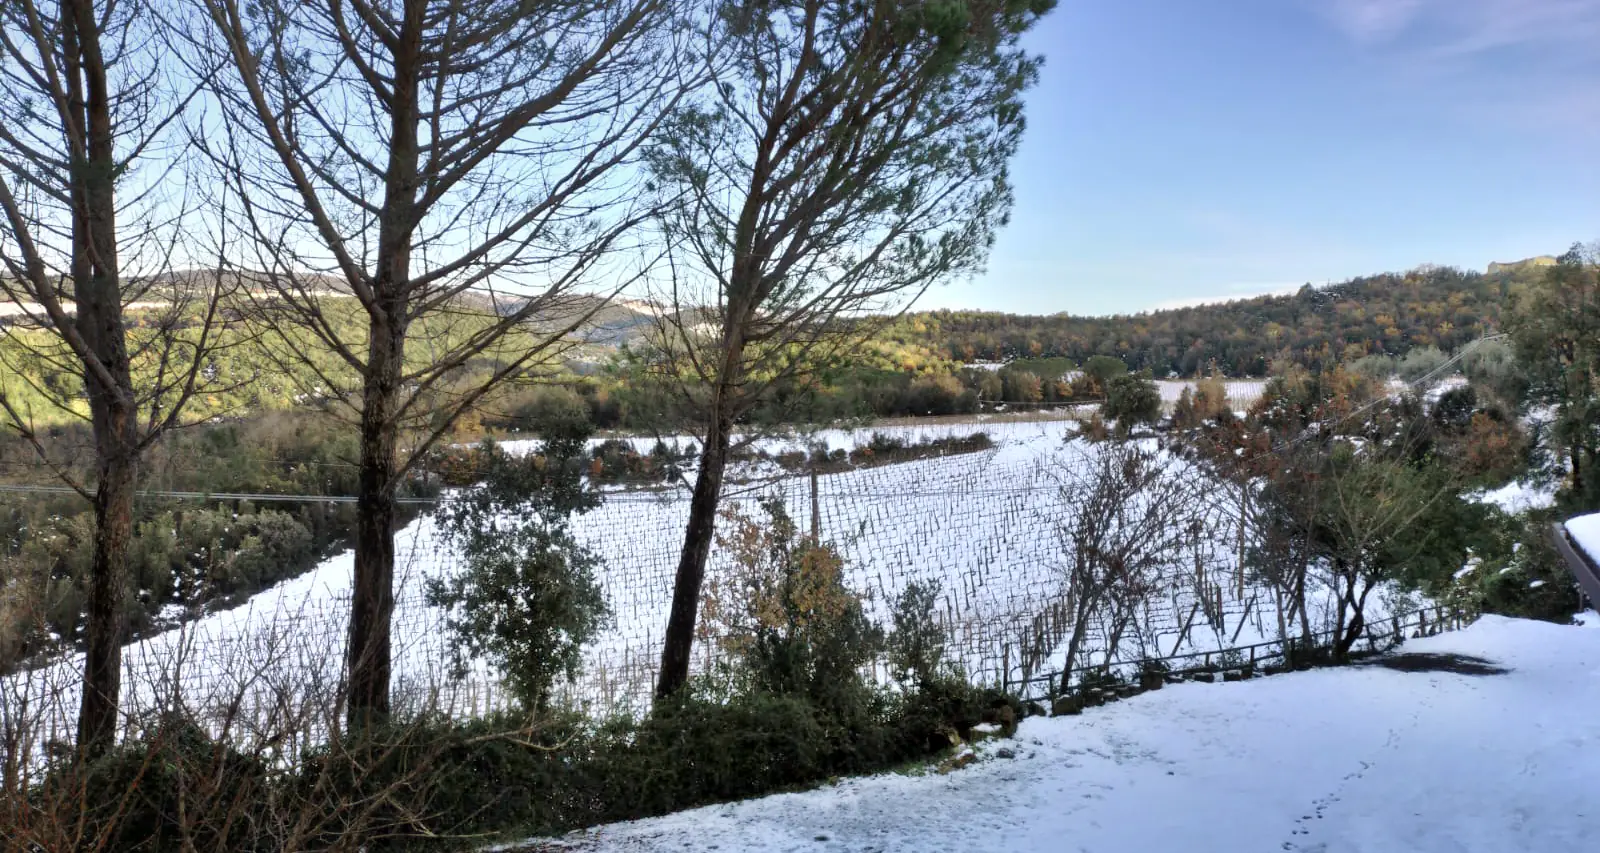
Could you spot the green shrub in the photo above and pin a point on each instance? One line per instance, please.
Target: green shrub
(1517, 571)
(1132, 399)
(916, 644)
(527, 597)
(169, 785)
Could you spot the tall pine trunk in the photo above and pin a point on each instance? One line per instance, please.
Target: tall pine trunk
(698, 536)
(97, 292)
(102, 660)
(369, 654)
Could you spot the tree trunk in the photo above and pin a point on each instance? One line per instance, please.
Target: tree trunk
(697, 539)
(102, 660)
(369, 654)
(1306, 635)
(1342, 600)
(1084, 605)
(1577, 470)
(1358, 620)
(97, 292)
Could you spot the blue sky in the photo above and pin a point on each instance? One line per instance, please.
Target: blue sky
(1182, 150)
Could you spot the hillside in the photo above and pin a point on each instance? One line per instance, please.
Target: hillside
(1387, 314)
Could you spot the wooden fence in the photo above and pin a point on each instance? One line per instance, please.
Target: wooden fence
(1382, 634)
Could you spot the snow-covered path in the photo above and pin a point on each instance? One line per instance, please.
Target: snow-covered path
(1359, 759)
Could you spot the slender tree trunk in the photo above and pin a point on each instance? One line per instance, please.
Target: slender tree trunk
(1300, 602)
(102, 660)
(1358, 619)
(698, 535)
(369, 652)
(1083, 607)
(97, 292)
(1342, 601)
(1577, 470)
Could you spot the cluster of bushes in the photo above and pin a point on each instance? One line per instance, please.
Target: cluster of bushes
(180, 560)
(880, 449)
(634, 401)
(1512, 569)
(1380, 487)
(612, 461)
(616, 461)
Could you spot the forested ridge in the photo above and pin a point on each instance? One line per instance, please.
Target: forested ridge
(1317, 326)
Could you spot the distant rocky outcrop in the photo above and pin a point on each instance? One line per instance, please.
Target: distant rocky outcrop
(1513, 266)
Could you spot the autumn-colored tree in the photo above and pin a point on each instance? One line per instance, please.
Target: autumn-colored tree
(782, 609)
(1555, 328)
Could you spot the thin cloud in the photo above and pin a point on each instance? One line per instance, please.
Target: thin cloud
(1372, 21)
(1464, 27)
(1482, 25)
(1516, 60)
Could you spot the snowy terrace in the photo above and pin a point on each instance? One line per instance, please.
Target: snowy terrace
(983, 525)
(1374, 758)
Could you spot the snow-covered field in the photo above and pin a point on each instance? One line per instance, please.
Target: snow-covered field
(1242, 393)
(1362, 759)
(984, 525)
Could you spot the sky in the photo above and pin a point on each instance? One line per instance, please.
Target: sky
(1199, 150)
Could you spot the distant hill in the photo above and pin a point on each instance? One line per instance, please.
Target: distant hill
(1316, 326)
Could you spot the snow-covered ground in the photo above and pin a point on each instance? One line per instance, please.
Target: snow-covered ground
(984, 525)
(1515, 497)
(1359, 759)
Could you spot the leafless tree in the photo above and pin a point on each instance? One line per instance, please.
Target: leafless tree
(91, 228)
(845, 157)
(432, 188)
(1130, 522)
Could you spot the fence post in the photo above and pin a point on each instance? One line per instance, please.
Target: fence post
(816, 510)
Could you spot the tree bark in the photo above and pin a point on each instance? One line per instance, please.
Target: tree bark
(1358, 620)
(697, 539)
(369, 654)
(102, 660)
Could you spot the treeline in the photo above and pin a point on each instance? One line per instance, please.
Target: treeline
(866, 390)
(1317, 327)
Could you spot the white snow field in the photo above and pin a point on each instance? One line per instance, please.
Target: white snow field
(1355, 760)
(985, 525)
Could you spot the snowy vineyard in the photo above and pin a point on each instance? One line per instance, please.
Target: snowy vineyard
(988, 527)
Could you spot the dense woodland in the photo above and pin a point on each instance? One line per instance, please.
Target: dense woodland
(1316, 327)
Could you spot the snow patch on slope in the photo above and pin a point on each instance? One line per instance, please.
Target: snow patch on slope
(1356, 759)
